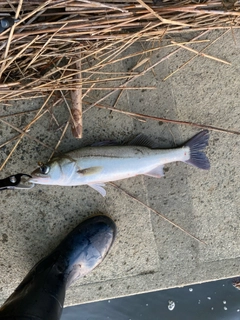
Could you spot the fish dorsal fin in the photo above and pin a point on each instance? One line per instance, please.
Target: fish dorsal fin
(139, 140)
(143, 141)
(156, 172)
(99, 188)
(105, 143)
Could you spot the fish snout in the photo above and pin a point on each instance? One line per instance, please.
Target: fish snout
(39, 178)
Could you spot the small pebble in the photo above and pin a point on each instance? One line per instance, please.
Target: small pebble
(171, 305)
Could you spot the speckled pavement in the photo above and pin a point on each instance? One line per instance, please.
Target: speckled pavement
(149, 253)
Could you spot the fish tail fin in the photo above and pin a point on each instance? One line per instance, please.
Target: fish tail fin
(196, 145)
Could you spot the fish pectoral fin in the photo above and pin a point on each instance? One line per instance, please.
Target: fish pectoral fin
(156, 172)
(99, 188)
(89, 171)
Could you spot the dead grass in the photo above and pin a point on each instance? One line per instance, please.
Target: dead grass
(60, 46)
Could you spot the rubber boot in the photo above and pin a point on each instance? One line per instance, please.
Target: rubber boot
(42, 292)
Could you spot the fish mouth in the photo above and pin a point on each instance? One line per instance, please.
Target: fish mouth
(37, 178)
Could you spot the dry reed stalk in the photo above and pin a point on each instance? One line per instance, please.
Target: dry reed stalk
(18, 113)
(201, 53)
(10, 38)
(60, 139)
(73, 5)
(188, 123)
(157, 212)
(141, 73)
(76, 109)
(24, 132)
(191, 59)
(38, 58)
(10, 140)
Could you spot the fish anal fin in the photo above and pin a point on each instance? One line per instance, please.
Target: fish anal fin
(99, 188)
(156, 172)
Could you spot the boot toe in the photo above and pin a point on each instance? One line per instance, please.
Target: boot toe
(90, 242)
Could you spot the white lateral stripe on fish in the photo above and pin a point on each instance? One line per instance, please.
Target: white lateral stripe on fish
(96, 165)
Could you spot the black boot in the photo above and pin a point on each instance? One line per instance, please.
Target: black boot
(41, 293)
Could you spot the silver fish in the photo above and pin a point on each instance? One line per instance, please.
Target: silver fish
(96, 165)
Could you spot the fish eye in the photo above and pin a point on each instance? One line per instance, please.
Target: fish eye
(44, 169)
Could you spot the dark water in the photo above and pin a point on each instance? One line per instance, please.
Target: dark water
(217, 300)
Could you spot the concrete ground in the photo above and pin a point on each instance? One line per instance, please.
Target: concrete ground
(149, 253)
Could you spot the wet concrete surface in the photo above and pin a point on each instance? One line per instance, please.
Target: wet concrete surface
(211, 300)
(149, 253)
